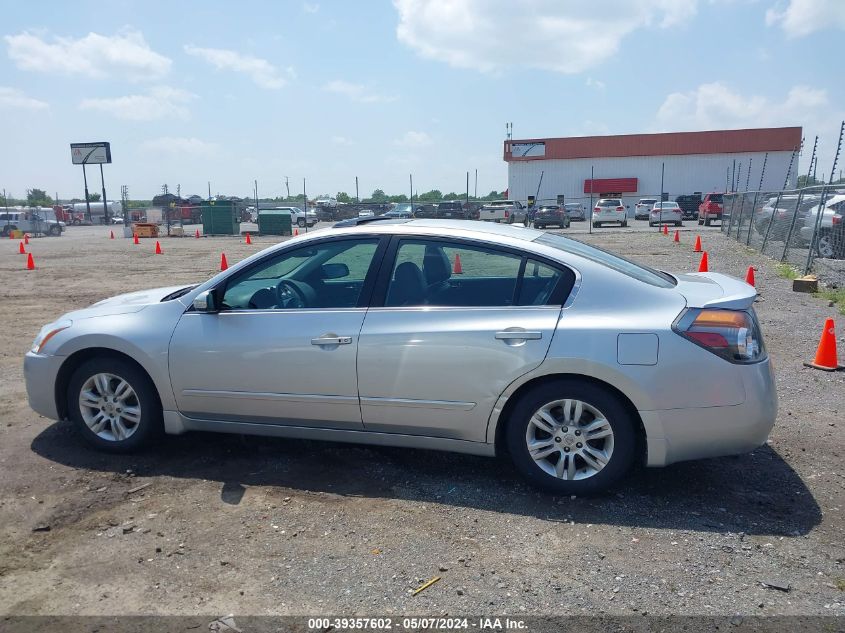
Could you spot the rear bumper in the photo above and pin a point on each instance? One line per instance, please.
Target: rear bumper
(676, 435)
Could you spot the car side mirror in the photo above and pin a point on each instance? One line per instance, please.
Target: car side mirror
(335, 271)
(206, 301)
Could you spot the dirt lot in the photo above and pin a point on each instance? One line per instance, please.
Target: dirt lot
(262, 526)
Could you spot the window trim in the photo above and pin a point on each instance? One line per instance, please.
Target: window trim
(366, 289)
(561, 296)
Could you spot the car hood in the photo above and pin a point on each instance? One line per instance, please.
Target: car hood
(714, 290)
(125, 303)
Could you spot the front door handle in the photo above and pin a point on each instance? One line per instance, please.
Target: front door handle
(331, 340)
(523, 335)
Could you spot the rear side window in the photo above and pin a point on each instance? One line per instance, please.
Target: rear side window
(716, 197)
(442, 273)
(599, 256)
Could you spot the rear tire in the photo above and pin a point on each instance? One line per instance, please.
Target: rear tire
(612, 450)
(624, 224)
(706, 221)
(596, 225)
(114, 410)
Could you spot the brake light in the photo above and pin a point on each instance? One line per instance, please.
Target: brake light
(731, 334)
(620, 208)
(836, 219)
(507, 213)
(597, 209)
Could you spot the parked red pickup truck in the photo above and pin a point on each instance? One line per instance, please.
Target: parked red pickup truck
(710, 209)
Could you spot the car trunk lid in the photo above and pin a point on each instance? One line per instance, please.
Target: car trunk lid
(715, 290)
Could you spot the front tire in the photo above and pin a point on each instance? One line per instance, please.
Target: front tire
(300, 223)
(571, 436)
(596, 225)
(114, 405)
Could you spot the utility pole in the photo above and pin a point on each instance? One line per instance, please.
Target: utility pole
(305, 204)
(105, 200)
(209, 191)
(87, 197)
(467, 199)
(476, 185)
(662, 172)
(255, 184)
(411, 177)
(357, 197)
(287, 186)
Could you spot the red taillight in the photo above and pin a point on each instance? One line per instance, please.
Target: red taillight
(597, 209)
(731, 334)
(836, 219)
(507, 213)
(620, 208)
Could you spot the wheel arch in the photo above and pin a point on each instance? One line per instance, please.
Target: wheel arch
(76, 359)
(503, 418)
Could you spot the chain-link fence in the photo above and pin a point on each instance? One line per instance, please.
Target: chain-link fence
(804, 228)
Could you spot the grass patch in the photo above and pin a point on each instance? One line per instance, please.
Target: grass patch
(787, 272)
(840, 584)
(838, 297)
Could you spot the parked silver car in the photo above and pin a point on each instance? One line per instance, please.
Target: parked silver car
(453, 335)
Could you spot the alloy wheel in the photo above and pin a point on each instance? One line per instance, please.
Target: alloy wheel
(569, 439)
(110, 407)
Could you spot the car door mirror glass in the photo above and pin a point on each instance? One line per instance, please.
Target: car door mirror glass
(335, 270)
(205, 302)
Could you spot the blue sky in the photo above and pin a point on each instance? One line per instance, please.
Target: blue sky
(190, 92)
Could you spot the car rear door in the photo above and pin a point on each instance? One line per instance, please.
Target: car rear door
(452, 324)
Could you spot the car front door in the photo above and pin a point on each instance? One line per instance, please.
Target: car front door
(282, 348)
(452, 324)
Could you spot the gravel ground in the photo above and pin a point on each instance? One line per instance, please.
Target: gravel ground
(264, 526)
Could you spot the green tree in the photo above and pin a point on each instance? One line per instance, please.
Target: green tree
(378, 196)
(434, 195)
(344, 197)
(807, 181)
(38, 198)
(93, 197)
(452, 196)
(400, 198)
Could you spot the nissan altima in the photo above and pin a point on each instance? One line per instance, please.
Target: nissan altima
(434, 334)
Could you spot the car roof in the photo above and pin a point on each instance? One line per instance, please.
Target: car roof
(452, 228)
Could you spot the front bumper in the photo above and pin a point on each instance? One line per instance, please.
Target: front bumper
(40, 374)
(676, 435)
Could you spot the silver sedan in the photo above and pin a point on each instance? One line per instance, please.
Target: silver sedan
(451, 335)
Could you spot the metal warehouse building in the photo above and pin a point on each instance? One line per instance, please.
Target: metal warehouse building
(629, 166)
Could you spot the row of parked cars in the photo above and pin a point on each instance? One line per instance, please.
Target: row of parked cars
(796, 217)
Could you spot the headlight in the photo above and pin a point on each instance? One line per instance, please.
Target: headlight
(48, 332)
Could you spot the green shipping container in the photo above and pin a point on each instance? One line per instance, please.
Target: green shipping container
(219, 217)
(273, 222)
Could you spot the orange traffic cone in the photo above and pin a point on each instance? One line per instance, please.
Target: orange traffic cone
(826, 353)
(223, 263)
(158, 248)
(458, 269)
(665, 229)
(697, 248)
(248, 239)
(749, 276)
(26, 238)
(11, 237)
(197, 234)
(111, 235)
(21, 249)
(702, 267)
(30, 263)
(677, 237)
(135, 240)
(295, 232)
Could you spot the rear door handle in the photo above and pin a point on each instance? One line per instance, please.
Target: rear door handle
(523, 335)
(331, 340)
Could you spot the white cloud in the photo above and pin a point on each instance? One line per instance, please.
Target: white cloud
(567, 37)
(716, 106)
(356, 92)
(160, 103)
(262, 72)
(341, 140)
(413, 139)
(595, 83)
(125, 55)
(802, 17)
(310, 7)
(14, 98)
(180, 146)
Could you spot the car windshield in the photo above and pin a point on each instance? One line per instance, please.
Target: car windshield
(573, 206)
(665, 205)
(610, 203)
(615, 262)
(647, 201)
(549, 208)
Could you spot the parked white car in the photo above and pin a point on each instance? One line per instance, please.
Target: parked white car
(666, 213)
(643, 208)
(298, 218)
(609, 210)
(828, 243)
(507, 211)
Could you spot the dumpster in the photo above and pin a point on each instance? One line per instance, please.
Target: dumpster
(274, 222)
(219, 217)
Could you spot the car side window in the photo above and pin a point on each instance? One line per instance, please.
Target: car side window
(539, 282)
(439, 273)
(328, 274)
